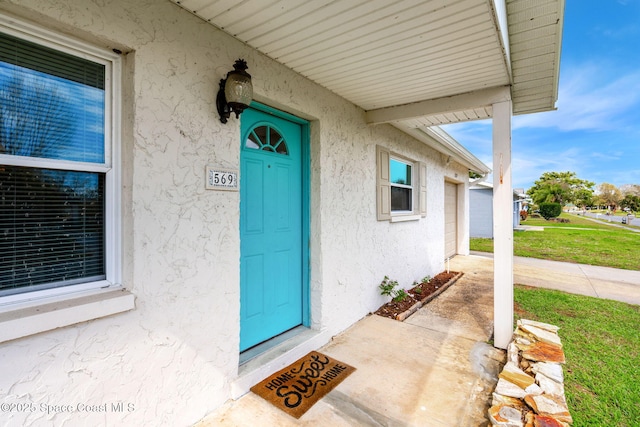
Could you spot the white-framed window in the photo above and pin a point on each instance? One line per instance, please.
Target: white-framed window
(401, 182)
(401, 187)
(59, 165)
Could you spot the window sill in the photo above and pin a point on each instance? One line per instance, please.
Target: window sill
(21, 320)
(402, 218)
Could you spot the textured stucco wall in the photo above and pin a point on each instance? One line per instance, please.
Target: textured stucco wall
(174, 356)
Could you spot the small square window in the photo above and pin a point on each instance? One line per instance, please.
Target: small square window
(401, 187)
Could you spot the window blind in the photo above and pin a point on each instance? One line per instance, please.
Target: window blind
(30, 55)
(51, 228)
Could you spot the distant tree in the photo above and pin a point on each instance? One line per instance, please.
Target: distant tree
(609, 195)
(561, 187)
(475, 175)
(632, 202)
(632, 189)
(584, 198)
(598, 202)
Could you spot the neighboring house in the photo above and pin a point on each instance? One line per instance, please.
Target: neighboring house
(136, 275)
(481, 209)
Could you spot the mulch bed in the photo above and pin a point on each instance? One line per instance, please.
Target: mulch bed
(418, 296)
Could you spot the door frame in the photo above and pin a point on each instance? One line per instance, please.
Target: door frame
(305, 197)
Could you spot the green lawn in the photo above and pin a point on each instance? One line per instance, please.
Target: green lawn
(602, 346)
(581, 241)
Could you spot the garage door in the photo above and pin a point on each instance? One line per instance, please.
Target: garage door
(450, 219)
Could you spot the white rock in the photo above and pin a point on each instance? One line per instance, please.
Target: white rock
(512, 353)
(550, 370)
(533, 389)
(550, 405)
(545, 326)
(505, 416)
(512, 415)
(499, 400)
(549, 386)
(507, 388)
(542, 334)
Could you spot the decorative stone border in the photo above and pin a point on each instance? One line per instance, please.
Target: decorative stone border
(402, 316)
(530, 389)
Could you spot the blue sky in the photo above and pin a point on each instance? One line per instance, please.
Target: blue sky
(595, 132)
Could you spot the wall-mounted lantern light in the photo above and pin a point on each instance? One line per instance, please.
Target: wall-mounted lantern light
(235, 92)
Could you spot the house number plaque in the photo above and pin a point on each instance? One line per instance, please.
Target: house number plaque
(221, 179)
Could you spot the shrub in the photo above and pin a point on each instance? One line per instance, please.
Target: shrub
(550, 210)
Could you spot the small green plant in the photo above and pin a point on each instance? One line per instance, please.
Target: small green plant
(388, 287)
(426, 279)
(400, 295)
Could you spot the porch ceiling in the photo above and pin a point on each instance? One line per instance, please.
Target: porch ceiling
(413, 63)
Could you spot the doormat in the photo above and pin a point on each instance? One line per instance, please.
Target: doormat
(300, 385)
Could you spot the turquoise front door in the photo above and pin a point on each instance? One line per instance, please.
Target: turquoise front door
(271, 227)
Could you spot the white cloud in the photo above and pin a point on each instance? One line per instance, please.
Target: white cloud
(590, 98)
(616, 155)
(593, 133)
(529, 165)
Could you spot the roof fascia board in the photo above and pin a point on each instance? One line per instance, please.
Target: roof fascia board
(460, 151)
(447, 104)
(489, 186)
(556, 80)
(499, 8)
(442, 142)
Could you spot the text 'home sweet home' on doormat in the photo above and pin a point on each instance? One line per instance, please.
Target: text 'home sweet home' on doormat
(299, 386)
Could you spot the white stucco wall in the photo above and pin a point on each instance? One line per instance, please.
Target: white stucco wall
(173, 357)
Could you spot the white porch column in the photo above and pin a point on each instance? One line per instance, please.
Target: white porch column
(502, 225)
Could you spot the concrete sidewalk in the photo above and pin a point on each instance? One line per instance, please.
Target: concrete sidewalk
(435, 369)
(590, 280)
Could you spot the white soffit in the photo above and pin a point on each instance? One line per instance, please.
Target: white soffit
(412, 63)
(535, 34)
(375, 53)
(382, 53)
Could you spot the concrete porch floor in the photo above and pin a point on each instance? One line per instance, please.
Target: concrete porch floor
(434, 369)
